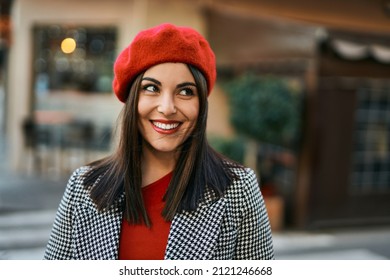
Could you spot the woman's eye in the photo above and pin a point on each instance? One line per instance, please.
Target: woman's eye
(186, 92)
(151, 88)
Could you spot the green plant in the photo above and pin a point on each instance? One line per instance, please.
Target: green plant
(265, 109)
(231, 148)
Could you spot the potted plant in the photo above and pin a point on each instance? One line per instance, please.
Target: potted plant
(265, 111)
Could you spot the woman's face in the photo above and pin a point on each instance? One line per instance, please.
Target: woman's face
(168, 106)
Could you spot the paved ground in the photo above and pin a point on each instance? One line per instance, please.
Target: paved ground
(22, 192)
(27, 209)
(351, 244)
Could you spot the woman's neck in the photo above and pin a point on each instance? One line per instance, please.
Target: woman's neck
(155, 165)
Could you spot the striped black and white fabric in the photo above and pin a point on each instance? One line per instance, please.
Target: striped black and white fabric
(235, 226)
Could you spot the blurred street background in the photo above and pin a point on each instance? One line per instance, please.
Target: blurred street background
(302, 97)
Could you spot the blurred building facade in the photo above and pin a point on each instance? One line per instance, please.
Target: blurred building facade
(337, 52)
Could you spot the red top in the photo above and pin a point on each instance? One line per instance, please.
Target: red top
(138, 242)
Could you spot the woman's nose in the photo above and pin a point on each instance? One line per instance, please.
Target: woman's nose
(166, 105)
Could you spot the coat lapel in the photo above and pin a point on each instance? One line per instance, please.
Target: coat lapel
(97, 233)
(194, 234)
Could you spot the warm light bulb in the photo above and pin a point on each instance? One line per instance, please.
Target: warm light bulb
(68, 45)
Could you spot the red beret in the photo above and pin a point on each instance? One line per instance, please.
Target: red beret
(160, 44)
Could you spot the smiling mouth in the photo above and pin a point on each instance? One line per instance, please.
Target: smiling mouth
(163, 127)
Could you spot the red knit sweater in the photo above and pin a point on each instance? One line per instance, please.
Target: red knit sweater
(137, 242)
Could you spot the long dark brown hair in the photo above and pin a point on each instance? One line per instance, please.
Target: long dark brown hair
(198, 167)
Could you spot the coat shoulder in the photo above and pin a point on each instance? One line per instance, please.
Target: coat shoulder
(244, 177)
(76, 181)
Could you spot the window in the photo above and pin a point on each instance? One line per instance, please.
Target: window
(371, 162)
(73, 108)
(73, 58)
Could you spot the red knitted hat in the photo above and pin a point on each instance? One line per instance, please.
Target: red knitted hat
(160, 44)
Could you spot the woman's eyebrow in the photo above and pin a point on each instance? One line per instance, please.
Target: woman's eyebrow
(186, 84)
(151, 80)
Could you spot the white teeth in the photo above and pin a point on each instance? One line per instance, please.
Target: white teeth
(165, 125)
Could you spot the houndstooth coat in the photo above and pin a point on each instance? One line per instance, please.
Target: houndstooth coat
(235, 226)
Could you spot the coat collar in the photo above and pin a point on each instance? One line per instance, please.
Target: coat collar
(194, 234)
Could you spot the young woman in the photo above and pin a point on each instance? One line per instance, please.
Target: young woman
(164, 193)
